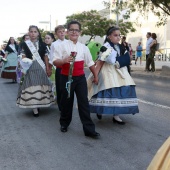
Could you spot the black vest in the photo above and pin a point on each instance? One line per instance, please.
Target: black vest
(42, 50)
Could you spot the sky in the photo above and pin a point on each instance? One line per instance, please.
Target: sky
(17, 15)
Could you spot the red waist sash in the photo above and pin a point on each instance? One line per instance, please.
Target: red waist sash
(77, 71)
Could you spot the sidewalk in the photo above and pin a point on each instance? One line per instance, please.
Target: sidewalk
(139, 70)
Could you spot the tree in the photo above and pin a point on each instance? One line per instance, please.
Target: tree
(160, 8)
(43, 33)
(93, 24)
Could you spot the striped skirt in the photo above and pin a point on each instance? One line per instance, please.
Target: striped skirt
(112, 95)
(8, 70)
(36, 89)
(118, 100)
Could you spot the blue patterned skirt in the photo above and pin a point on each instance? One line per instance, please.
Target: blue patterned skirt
(118, 100)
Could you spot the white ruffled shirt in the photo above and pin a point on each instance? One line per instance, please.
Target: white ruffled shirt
(52, 49)
(65, 48)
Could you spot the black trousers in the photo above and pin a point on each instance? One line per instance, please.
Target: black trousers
(147, 55)
(79, 86)
(150, 61)
(58, 89)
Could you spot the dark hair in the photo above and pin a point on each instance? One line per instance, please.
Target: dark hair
(9, 42)
(109, 32)
(23, 38)
(51, 35)
(149, 33)
(58, 28)
(124, 38)
(153, 36)
(73, 22)
(34, 26)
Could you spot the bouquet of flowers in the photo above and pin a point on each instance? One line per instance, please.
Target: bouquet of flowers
(68, 84)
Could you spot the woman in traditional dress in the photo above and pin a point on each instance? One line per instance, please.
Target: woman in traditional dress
(24, 38)
(35, 89)
(18, 69)
(9, 66)
(113, 95)
(49, 39)
(2, 54)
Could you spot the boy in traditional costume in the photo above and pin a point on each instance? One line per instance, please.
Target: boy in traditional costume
(60, 34)
(72, 55)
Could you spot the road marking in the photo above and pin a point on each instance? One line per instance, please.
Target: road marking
(154, 104)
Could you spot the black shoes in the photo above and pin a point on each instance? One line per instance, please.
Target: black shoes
(36, 115)
(99, 116)
(93, 135)
(63, 129)
(118, 122)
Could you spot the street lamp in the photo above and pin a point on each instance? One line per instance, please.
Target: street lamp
(46, 22)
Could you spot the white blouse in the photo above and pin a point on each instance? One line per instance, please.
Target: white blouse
(64, 50)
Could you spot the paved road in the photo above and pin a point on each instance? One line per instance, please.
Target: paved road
(158, 64)
(29, 143)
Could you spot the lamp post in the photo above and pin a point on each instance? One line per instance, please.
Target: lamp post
(46, 22)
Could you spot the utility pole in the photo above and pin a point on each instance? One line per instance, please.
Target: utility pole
(114, 6)
(117, 13)
(50, 23)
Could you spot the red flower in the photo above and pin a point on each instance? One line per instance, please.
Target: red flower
(73, 54)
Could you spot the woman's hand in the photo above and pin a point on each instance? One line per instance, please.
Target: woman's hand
(95, 80)
(49, 72)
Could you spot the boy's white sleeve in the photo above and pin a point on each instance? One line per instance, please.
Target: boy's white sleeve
(88, 57)
(57, 54)
(51, 54)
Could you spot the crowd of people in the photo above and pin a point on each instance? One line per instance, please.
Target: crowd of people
(109, 89)
(151, 48)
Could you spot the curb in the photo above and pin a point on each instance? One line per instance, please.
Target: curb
(153, 76)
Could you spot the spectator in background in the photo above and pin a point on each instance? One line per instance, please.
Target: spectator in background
(124, 46)
(150, 59)
(130, 52)
(124, 43)
(148, 43)
(139, 53)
